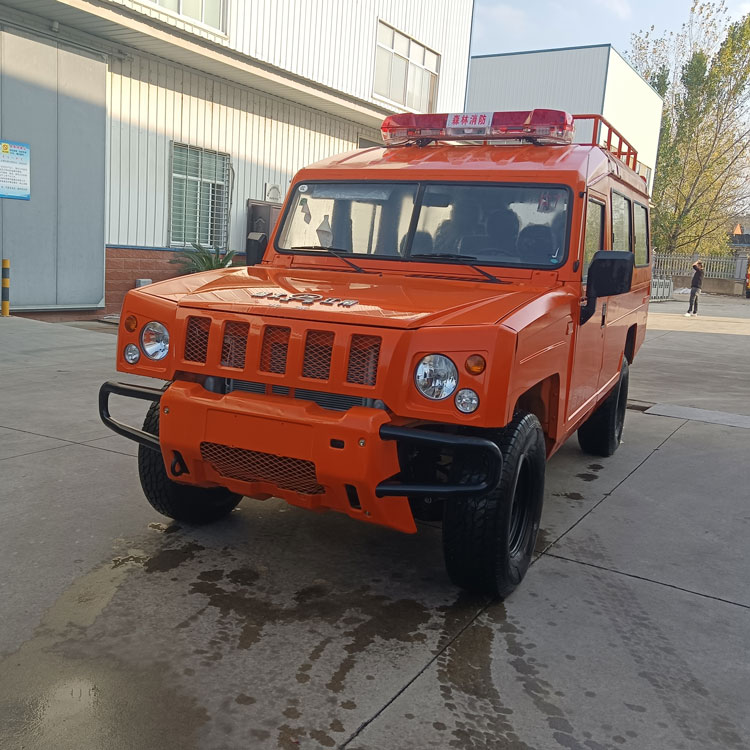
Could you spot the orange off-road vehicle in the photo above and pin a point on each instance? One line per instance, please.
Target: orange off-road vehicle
(429, 323)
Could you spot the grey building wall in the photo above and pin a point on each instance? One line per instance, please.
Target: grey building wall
(52, 96)
(153, 104)
(569, 79)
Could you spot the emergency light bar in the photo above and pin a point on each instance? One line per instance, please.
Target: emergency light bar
(540, 125)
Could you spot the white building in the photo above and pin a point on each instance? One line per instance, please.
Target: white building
(581, 80)
(152, 123)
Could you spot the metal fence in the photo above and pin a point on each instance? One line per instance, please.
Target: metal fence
(661, 289)
(717, 267)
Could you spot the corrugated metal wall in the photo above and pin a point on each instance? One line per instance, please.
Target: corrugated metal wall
(153, 103)
(571, 79)
(332, 42)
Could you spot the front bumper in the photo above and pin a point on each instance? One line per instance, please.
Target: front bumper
(262, 446)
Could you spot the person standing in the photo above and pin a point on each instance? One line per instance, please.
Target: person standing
(695, 288)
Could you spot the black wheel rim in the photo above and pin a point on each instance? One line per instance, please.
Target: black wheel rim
(520, 509)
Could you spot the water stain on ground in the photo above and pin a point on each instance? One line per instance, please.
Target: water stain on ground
(569, 495)
(587, 477)
(49, 698)
(679, 690)
(171, 558)
(480, 717)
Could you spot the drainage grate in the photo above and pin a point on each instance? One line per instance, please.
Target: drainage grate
(253, 466)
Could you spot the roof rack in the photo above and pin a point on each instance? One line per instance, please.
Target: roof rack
(604, 134)
(543, 126)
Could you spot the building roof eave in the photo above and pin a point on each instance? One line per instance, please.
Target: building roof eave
(118, 25)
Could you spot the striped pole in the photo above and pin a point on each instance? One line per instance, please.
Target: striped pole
(5, 312)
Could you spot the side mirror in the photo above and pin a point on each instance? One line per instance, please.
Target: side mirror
(255, 247)
(610, 273)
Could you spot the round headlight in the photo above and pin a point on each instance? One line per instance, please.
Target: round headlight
(131, 354)
(155, 340)
(436, 377)
(467, 401)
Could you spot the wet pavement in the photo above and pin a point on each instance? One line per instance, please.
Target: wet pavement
(278, 628)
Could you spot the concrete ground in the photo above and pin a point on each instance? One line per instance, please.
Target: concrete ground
(277, 628)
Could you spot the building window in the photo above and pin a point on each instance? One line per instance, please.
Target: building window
(200, 197)
(209, 12)
(405, 71)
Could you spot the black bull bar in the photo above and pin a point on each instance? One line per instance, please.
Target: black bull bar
(394, 486)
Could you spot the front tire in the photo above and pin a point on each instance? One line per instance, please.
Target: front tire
(601, 433)
(182, 502)
(488, 540)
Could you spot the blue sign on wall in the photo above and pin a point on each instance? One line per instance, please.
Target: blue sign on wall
(15, 170)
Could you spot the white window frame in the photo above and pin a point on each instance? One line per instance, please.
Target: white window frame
(221, 29)
(217, 232)
(410, 61)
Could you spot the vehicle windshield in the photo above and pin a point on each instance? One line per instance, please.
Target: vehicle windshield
(507, 225)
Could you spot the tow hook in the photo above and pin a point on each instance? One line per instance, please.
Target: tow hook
(178, 466)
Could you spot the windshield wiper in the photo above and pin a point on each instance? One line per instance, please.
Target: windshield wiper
(457, 256)
(331, 251)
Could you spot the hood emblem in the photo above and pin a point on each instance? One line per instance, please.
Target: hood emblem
(306, 299)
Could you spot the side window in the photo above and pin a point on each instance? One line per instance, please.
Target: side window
(593, 239)
(621, 222)
(641, 235)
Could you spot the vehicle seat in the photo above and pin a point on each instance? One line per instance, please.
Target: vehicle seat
(421, 244)
(502, 227)
(536, 244)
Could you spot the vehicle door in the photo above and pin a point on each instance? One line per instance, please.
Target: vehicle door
(589, 337)
(630, 233)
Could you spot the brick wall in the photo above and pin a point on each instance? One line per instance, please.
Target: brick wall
(125, 265)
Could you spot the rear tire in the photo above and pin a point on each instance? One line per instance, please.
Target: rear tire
(182, 502)
(488, 540)
(601, 433)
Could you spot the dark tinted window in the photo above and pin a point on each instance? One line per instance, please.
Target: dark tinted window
(593, 241)
(640, 222)
(620, 222)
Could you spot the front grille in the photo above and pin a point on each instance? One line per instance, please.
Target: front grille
(364, 354)
(335, 401)
(318, 352)
(309, 355)
(287, 473)
(274, 349)
(234, 344)
(248, 386)
(196, 339)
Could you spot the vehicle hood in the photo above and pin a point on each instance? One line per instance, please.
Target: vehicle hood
(373, 299)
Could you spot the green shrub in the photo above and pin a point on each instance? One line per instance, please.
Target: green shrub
(202, 259)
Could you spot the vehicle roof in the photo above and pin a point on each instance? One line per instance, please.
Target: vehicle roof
(571, 163)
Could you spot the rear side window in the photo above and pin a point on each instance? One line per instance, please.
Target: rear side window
(620, 222)
(593, 240)
(640, 227)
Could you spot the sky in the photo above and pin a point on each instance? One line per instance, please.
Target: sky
(512, 26)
